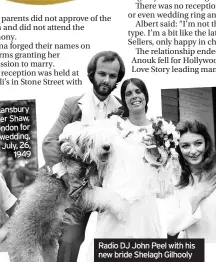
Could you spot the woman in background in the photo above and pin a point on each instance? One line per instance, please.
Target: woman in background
(192, 208)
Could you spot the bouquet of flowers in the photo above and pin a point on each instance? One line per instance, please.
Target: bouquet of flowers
(166, 138)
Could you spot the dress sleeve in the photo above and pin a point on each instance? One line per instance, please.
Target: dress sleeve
(179, 214)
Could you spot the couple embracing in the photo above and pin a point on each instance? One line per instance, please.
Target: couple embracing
(136, 177)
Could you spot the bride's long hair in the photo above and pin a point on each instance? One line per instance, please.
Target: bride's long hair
(141, 85)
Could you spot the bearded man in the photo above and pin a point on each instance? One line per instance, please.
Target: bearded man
(105, 70)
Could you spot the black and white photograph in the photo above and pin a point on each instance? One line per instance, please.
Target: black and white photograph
(107, 130)
(18, 151)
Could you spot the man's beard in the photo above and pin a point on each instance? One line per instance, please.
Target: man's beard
(103, 92)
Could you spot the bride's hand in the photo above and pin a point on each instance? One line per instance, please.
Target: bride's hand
(148, 141)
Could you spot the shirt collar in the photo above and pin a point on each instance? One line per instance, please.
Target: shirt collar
(97, 101)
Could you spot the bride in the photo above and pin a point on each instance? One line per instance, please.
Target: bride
(133, 176)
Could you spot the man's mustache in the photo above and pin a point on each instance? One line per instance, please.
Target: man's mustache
(104, 84)
(111, 88)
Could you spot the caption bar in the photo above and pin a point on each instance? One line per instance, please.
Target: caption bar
(149, 249)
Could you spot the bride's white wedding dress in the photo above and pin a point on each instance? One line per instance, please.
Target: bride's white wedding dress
(136, 181)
